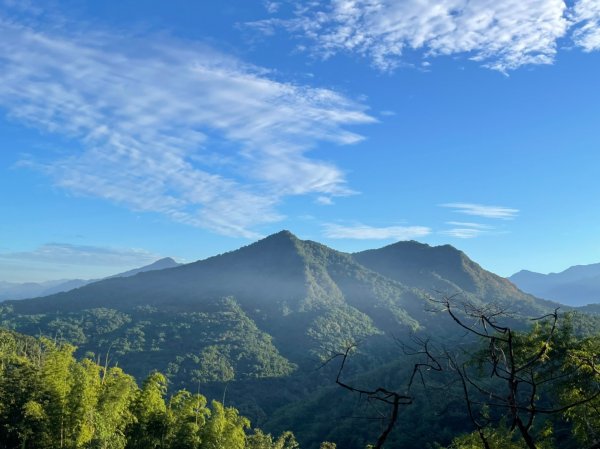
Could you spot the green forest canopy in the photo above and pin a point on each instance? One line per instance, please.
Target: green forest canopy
(49, 399)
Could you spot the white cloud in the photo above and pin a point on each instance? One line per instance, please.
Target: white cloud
(324, 201)
(272, 7)
(466, 230)
(480, 210)
(501, 34)
(76, 255)
(468, 224)
(172, 127)
(463, 233)
(586, 14)
(364, 232)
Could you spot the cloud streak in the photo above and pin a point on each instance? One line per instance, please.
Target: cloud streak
(76, 255)
(364, 232)
(480, 210)
(172, 127)
(466, 230)
(500, 34)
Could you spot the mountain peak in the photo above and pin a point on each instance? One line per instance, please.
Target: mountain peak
(420, 252)
(443, 268)
(160, 264)
(283, 234)
(524, 273)
(277, 242)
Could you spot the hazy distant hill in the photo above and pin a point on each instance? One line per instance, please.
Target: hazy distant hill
(262, 310)
(160, 264)
(576, 286)
(593, 309)
(19, 290)
(14, 290)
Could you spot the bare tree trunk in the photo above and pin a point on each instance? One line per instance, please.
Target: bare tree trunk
(525, 434)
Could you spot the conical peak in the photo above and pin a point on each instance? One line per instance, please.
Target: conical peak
(165, 262)
(270, 248)
(283, 234)
(280, 239)
(286, 244)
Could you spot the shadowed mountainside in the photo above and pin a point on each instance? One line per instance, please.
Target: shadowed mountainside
(260, 318)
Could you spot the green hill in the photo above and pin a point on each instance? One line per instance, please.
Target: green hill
(446, 270)
(255, 322)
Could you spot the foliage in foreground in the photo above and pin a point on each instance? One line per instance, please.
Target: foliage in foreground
(516, 389)
(50, 400)
(531, 385)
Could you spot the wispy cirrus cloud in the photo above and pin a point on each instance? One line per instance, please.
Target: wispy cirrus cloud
(364, 232)
(501, 34)
(171, 127)
(480, 210)
(469, 224)
(466, 230)
(53, 261)
(324, 201)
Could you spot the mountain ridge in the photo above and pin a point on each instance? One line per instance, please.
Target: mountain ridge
(266, 313)
(578, 285)
(442, 270)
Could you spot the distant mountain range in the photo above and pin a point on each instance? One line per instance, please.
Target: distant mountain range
(576, 286)
(255, 322)
(14, 290)
(294, 296)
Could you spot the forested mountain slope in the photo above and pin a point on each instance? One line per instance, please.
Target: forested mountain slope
(446, 270)
(259, 319)
(49, 400)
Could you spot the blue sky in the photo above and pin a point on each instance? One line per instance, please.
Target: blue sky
(133, 130)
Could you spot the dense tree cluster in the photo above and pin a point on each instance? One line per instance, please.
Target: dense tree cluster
(217, 343)
(531, 389)
(535, 388)
(498, 384)
(51, 400)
